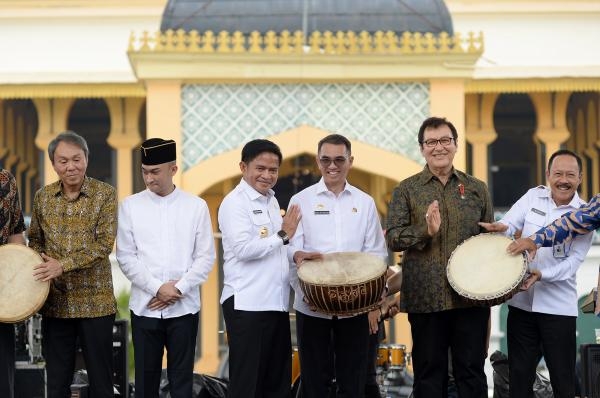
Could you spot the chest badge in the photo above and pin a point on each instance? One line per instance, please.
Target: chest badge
(264, 232)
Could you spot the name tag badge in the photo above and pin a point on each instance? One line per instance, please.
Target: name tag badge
(537, 211)
(321, 212)
(256, 211)
(559, 251)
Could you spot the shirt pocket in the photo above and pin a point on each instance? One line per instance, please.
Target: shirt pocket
(260, 219)
(534, 218)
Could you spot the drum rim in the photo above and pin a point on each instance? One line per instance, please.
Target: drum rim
(506, 294)
(44, 296)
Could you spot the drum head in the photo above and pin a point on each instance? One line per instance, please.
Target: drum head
(481, 269)
(342, 269)
(20, 295)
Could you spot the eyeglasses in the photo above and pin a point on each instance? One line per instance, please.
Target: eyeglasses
(445, 141)
(339, 161)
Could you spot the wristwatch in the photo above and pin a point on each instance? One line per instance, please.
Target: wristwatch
(284, 237)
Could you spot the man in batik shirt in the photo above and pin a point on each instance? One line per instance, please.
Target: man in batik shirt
(73, 226)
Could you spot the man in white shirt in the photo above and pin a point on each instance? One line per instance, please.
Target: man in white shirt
(256, 291)
(542, 317)
(337, 217)
(165, 247)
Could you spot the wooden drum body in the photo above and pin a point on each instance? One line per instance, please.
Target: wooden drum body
(21, 295)
(481, 270)
(343, 283)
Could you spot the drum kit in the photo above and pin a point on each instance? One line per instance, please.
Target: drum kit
(21, 296)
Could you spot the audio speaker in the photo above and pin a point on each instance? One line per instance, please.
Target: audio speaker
(30, 380)
(590, 370)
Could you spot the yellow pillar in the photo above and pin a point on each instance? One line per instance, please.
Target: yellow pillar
(447, 99)
(211, 291)
(11, 143)
(479, 130)
(3, 146)
(551, 111)
(163, 115)
(52, 120)
(124, 137)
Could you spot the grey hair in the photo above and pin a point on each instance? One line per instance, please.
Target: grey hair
(72, 138)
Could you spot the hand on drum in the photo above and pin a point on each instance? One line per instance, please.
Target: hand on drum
(493, 227)
(51, 268)
(301, 256)
(523, 245)
(290, 220)
(534, 276)
(433, 218)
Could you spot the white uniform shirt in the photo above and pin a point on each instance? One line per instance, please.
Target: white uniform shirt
(161, 239)
(346, 223)
(556, 292)
(256, 268)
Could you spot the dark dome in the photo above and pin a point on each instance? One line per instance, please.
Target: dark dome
(321, 15)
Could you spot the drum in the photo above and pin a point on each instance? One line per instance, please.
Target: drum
(482, 271)
(21, 296)
(383, 356)
(397, 356)
(343, 283)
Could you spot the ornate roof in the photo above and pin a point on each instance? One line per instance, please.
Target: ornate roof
(313, 15)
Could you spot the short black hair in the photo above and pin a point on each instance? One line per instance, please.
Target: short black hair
(336, 139)
(435, 122)
(254, 148)
(565, 152)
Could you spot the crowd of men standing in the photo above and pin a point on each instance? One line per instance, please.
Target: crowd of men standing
(165, 248)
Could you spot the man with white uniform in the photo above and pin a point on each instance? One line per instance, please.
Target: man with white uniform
(336, 217)
(542, 317)
(256, 285)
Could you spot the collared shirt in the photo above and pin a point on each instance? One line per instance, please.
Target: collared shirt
(256, 269)
(579, 222)
(347, 222)
(11, 216)
(463, 202)
(165, 238)
(556, 292)
(80, 234)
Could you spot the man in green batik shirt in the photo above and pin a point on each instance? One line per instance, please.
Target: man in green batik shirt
(73, 226)
(430, 214)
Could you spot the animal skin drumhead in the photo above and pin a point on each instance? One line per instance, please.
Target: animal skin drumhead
(20, 294)
(480, 268)
(342, 268)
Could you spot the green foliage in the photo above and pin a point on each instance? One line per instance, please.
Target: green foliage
(123, 313)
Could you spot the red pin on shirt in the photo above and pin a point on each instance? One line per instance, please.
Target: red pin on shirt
(461, 190)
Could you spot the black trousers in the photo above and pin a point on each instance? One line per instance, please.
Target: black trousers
(7, 360)
(371, 386)
(260, 352)
(150, 338)
(58, 345)
(531, 335)
(464, 331)
(332, 348)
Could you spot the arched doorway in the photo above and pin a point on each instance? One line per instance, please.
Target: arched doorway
(90, 118)
(513, 154)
